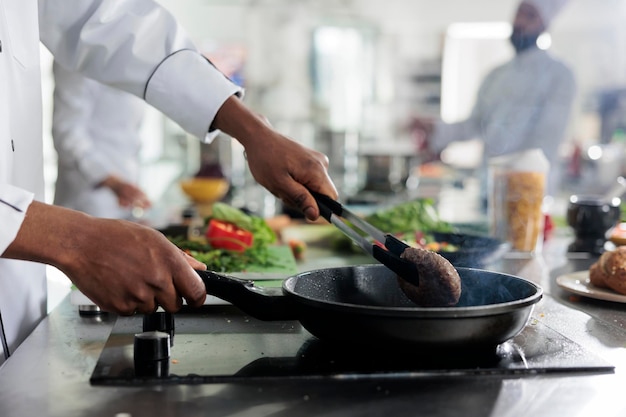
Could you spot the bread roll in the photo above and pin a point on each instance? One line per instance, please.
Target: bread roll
(609, 271)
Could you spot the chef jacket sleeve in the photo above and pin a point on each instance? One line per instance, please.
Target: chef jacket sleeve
(13, 205)
(477, 124)
(137, 46)
(464, 130)
(446, 133)
(74, 102)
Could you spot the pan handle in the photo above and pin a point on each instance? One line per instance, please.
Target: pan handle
(262, 303)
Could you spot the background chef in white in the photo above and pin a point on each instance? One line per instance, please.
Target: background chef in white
(124, 267)
(522, 104)
(96, 131)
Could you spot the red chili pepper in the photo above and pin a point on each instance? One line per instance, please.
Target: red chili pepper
(224, 235)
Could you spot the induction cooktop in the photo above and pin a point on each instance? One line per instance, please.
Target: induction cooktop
(220, 344)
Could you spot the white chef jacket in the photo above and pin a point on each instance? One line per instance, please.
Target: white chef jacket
(134, 45)
(522, 104)
(96, 130)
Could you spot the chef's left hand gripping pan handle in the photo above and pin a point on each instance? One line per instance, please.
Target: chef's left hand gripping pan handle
(261, 303)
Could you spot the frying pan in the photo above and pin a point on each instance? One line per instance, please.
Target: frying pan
(364, 304)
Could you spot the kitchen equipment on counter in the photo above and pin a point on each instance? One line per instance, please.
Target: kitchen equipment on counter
(204, 191)
(386, 173)
(473, 251)
(365, 304)
(517, 188)
(591, 218)
(219, 344)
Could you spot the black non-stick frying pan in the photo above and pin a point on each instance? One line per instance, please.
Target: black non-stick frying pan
(364, 304)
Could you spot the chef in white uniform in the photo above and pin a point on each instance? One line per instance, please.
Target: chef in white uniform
(523, 104)
(124, 267)
(96, 131)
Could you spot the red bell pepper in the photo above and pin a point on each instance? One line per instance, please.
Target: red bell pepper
(224, 235)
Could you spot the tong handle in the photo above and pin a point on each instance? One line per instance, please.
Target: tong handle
(327, 205)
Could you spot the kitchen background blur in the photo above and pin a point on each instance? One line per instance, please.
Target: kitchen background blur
(345, 77)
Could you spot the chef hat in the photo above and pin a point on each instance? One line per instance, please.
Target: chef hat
(548, 9)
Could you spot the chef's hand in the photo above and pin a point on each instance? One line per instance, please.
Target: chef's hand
(121, 266)
(286, 168)
(128, 194)
(290, 175)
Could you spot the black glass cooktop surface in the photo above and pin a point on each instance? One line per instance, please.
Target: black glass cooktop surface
(220, 344)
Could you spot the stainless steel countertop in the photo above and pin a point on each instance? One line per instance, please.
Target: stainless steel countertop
(49, 374)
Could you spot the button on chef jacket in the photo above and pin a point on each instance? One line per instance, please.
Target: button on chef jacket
(134, 45)
(96, 130)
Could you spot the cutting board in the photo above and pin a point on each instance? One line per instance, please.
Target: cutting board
(284, 266)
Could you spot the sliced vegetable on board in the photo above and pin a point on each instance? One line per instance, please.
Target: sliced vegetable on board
(237, 242)
(225, 235)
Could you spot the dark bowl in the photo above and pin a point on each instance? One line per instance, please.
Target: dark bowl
(591, 218)
(474, 251)
(592, 215)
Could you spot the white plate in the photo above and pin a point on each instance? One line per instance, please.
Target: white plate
(579, 283)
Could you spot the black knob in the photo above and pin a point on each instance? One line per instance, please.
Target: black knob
(160, 321)
(152, 354)
(152, 346)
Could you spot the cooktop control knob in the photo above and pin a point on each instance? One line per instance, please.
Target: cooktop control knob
(160, 321)
(152, 354)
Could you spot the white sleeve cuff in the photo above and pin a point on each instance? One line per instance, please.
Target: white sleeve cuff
(13, 205)
(190, 90)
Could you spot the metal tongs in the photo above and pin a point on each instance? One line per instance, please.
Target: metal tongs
(389, 255)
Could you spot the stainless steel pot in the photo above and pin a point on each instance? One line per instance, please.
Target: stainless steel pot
(364, 304)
